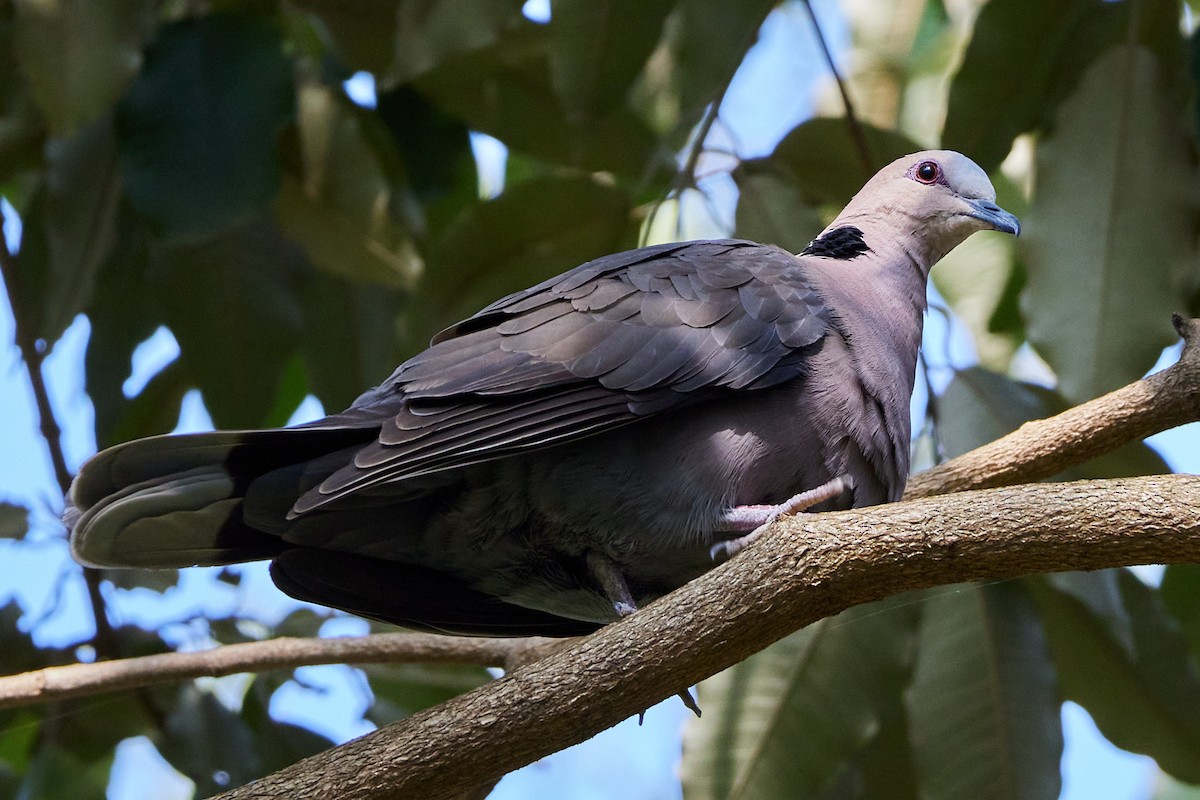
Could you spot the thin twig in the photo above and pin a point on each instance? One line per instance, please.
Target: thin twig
(75, 680)
(856, 130)
(33, 353)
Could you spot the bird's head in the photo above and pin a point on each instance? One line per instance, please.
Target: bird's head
(938, 197)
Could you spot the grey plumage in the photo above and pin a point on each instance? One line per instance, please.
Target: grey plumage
(607, 428)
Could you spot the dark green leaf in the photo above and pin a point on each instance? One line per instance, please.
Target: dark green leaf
(279, 744)
(78, 57)
(983, 707)
(69, 229)
(351, 337)
(122, 317)
(1007, 76)
(597, 48)
(1180, 591)
(403, 689)
(364, 31)
(435, 148)
(1109, 232)
(506, 92)
(773, 209)
(209, 743)
(767, 730)
(232, 304)
(431, 33)
(820, 158)
(156, 580)
(155, 410)
(712, 40)
(55, 772)
(14, 521)
(527, 234)
(1143, 701)
(980, 406)
(197, 129)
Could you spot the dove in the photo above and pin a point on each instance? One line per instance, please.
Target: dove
(578, 449)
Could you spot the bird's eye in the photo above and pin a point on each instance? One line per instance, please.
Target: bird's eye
(928, 172)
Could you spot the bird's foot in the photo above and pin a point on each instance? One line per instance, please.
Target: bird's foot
(612, 582)
(756, 519)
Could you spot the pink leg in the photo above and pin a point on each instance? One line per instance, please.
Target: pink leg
(756, 519)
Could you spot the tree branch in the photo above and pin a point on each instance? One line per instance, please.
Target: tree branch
(808, 568)
(1046, 447)
(33, 353)
(73, 680)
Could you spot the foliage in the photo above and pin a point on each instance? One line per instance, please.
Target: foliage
(201, 166)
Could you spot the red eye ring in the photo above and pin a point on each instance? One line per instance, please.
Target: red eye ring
(928, 172)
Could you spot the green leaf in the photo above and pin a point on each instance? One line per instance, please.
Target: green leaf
(122, 316)
(338, 207)
(1180, 590)
(527, 234)
(820, 158)
(1007, 76)
(79, 56)
(767, 730)
(713, 38)
(404, 689)
(505, 91)
(14, 521)
(438, 162)
(364, 31)
(1143, 701)
(983, 707)
(209, 743)
(431, 33)
(351, 338)
(69, 229)
(773, 209)
(57, 772)
(596, 50)
(233, 307)
(155, 409)
(197, 129)
(980, 406)
(1110, 230)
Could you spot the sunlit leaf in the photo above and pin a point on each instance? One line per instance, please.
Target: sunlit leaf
(767, 730)
(196, 131)
(983, 707)
(1110, 227)
(79, 56)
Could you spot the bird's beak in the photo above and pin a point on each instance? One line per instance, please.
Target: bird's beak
(995, 216)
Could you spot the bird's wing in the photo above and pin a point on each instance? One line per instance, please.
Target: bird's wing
(615, 340)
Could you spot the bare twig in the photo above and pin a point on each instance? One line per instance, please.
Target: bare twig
(73, 680)
(33, 353)
(857, 134)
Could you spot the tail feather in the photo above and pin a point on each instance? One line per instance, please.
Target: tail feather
(178, 501)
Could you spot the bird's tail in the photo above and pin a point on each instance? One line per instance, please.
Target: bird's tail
(178, 501)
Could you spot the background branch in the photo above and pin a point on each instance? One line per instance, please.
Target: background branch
(73, 680)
